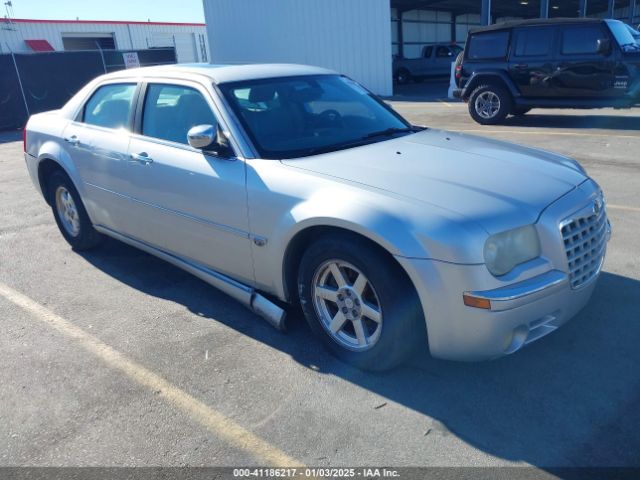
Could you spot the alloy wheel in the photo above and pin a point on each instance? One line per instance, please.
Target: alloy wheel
(347, 305)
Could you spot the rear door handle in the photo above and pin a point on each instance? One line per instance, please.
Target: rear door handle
(521, 66)
(142, 157)
(73, 140)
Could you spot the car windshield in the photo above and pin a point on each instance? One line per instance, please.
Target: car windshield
(623, 36)
(307, 115)
(634, 33)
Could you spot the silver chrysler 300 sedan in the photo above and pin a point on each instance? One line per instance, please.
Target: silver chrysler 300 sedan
(285, 183)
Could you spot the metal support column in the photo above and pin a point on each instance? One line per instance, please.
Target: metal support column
(611, 6)
(400, 33)
(632, 12)
(544, 8)
(582, 11)
(453, 28)
(485, 12)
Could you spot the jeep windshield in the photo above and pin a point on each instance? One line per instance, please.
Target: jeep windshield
(307, 115)
(627, 41)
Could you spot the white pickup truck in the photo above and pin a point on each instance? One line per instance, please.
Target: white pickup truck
(435, 61)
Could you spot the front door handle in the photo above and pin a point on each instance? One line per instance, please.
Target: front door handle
(521, 66)
(73, 140)
(142, 157)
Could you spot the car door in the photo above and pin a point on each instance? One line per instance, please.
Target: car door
(423, 65)
(531, 63)
(186, 201)
(98, 142)
(581, 71)
(442, 62)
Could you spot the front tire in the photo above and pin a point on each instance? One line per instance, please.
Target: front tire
(360, 303)
(70, 214)
(490, 104)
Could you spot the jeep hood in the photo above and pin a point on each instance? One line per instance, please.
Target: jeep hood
(496, 184)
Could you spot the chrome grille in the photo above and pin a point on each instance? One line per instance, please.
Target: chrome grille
(585, 239)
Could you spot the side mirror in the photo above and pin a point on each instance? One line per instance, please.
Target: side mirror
(201, 136)
(210, 138)
(603, 46)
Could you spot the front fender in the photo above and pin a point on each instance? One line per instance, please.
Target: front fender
(402, 227)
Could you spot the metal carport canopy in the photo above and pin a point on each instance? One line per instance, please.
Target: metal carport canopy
(507, 8)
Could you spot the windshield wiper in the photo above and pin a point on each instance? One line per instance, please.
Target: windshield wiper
(389, 132)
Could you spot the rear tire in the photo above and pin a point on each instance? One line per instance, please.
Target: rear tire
(70, 214)
(490, 104)
(376, 302)
(403, 76)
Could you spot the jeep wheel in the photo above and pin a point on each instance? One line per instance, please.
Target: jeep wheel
(490, 104)
(360, 303)
(403, 76)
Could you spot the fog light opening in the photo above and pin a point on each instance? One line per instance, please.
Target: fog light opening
(514, 340)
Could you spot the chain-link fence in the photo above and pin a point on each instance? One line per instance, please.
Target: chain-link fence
(36, 82)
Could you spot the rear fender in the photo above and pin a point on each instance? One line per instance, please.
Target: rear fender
(480, 78)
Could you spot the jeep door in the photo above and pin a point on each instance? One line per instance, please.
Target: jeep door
(531, 63)
(583, 72)
(183, 200)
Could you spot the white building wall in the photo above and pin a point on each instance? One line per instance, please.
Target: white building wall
(127, 36)
(352, 37)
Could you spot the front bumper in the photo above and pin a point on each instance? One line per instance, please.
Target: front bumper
(525, 305)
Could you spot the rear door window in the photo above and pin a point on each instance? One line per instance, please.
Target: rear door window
(581, 39)
(534, 42)
(110, 106)
(488, 45)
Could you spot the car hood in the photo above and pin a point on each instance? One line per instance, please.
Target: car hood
(495, 184)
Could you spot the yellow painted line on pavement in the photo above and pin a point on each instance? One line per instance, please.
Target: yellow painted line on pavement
(445, 103)
(623, 207)
(223, 427)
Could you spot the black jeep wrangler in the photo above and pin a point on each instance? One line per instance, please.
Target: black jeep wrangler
(510, 68)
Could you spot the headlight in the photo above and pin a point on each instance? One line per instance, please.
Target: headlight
(503, 251)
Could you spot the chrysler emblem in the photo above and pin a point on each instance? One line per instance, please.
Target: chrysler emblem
(597, 206)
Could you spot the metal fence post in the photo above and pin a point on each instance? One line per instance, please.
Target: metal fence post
(24, 97)
(104, 64)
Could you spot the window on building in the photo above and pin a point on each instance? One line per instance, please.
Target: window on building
(170, 111)
(110, 106)
(88, 42)
(534, 42)
(488, 45)
(580, 40)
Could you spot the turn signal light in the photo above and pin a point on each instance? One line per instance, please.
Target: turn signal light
(471, 301)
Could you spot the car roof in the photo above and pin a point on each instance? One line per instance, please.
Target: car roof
(535, 22)
(222, 73)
